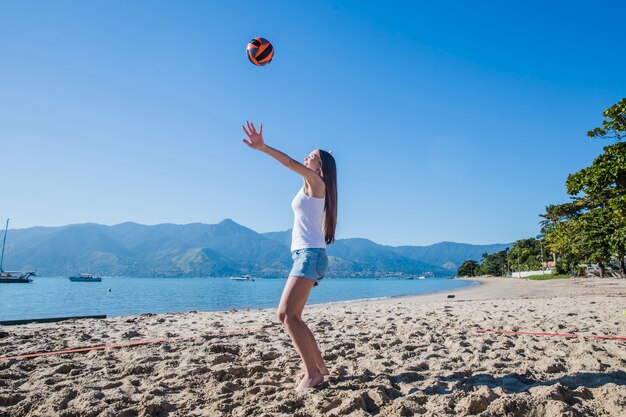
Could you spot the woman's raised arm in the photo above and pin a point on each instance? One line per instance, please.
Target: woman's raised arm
(255, 141)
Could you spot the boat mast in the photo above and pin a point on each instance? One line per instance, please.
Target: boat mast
(3, 243)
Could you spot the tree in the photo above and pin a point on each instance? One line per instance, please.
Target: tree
(494, 264)
(603, 184)
(553, 214)
(467, 269)
(614, 123)
(592, 227)
(562, 240)
(525, 255)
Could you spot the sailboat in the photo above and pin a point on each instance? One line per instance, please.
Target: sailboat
(12, 276)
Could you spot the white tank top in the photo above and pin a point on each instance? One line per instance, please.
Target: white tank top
(307, 224)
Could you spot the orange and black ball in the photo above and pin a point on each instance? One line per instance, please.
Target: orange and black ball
(260, 51)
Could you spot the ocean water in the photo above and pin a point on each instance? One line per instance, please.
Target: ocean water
(122, 296)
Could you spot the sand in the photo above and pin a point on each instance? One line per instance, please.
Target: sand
(405, 356)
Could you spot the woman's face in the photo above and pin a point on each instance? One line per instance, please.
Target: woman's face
(313, 161)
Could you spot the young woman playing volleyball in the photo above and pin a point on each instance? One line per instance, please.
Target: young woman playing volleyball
(315, 212)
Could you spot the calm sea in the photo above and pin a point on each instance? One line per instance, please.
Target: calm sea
(121, 296)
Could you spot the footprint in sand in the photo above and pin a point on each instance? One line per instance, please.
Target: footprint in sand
(65, 368)
(268, 356)
(131, 334)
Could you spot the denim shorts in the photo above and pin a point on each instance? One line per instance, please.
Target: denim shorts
(310, 263)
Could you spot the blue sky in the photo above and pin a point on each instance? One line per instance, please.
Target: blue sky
(449, 122)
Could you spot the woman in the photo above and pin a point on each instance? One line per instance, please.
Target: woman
(315, 212)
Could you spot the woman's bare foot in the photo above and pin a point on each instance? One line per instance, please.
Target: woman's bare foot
(322, 369)
(310, 381)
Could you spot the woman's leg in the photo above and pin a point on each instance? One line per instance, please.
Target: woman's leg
(292, 303)
(321, 366)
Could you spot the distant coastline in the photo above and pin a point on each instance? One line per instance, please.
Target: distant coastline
(222, 249)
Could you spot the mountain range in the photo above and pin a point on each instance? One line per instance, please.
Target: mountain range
(223, 249)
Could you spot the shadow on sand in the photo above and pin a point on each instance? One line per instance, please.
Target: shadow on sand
(516, 383)
(513, 383)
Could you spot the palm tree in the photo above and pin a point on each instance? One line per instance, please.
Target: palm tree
(551, 218)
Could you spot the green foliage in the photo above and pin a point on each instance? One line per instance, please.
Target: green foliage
(560, 240)
(603, 184)
(494, 264)
(592, 227)
(614, 125)
(525, 255)
(564, 266)
(548, 276)
(468, 269)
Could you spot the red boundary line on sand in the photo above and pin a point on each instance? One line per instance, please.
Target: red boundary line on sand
(145, 342)
(254, 330)
(550, 334)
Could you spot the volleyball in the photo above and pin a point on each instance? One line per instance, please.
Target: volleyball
(260, 51)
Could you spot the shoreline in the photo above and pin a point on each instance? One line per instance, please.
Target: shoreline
(483, 288)
(185, 310)
(515, 288)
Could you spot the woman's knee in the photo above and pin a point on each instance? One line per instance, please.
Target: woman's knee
(286, 317)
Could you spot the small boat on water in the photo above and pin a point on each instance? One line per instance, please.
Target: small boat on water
(244, 277)
(12, 277)
(86, 278)
(15, 276)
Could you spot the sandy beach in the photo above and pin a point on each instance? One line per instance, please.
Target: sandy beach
(423, 355)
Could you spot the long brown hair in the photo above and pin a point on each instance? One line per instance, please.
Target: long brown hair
(329, 175)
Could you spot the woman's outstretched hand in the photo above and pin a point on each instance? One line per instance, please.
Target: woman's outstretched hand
(255, 138)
